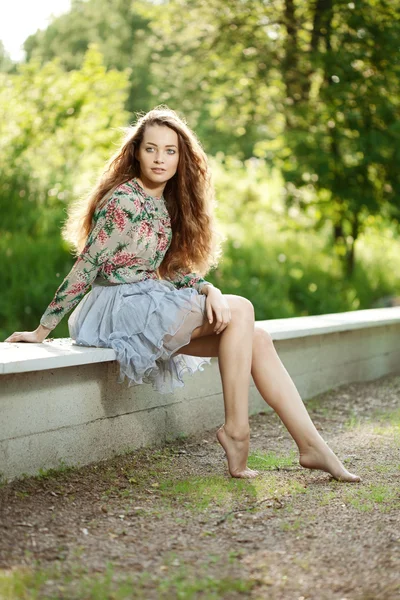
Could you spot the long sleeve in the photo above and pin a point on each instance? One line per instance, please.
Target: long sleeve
(185, 279)
(99, 246)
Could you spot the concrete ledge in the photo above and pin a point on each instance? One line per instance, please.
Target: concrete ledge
(52, 354)
(61, 402)
(58, 353)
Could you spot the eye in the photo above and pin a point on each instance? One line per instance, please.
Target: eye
(149, 148)
(171, 151)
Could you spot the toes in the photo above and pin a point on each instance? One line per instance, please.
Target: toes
(347, 478)
(246, 474)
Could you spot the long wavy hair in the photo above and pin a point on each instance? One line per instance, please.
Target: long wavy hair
(189, 197)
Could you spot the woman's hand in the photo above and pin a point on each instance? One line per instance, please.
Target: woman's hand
(35, 337)
(217, 303)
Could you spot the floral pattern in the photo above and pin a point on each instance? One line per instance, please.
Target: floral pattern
(130, 236)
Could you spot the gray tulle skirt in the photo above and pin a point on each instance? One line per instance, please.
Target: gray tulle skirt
(145, 323)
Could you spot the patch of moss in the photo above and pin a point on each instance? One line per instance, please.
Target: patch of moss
(327, 498)
(175, 580)
(269, 461)
(202, 493)
(372, 496)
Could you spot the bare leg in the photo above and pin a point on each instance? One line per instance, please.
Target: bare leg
(234, 436)
(278, 390)
(234, 348)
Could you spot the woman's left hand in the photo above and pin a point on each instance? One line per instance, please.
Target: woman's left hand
(217, 303)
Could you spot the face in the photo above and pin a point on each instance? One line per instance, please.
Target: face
(158, 154)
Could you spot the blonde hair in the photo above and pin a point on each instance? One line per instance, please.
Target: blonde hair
(189, 197)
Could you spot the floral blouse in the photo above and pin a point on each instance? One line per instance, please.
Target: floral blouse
(130, 236)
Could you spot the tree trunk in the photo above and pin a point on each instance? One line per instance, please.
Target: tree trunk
(350, 255)
(289, 66)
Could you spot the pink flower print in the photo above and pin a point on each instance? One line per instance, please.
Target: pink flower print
(53, 304)
(166, 221)
(137, 205)
(162, 243)
(145, 230)
(110, 208)
(119, 219)
(192, 282)
(125, 188)
(124, 259)
(108, 269)
(77, 288)
(102, 237)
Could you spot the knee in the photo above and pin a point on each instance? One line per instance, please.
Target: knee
(262, 340)
(242, 308)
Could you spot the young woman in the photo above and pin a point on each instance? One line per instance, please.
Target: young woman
(145, 236)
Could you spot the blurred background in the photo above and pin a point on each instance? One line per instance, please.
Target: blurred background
(297, 104)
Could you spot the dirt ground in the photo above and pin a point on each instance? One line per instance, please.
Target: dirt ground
(169, 523)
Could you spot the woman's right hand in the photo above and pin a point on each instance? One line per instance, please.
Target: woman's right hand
(34, 337)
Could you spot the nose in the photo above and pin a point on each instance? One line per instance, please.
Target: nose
(158, 158)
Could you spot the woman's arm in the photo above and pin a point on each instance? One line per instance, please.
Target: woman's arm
(184, 279)
(100, 245)
(101, 241)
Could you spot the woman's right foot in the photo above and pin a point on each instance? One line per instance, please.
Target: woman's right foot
(324, 459)
(236, 452)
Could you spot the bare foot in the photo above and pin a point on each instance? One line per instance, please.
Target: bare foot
(236, 452)
(324, 459)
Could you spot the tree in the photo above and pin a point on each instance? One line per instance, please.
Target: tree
(58, 129)
(311, 87)
(115, 26)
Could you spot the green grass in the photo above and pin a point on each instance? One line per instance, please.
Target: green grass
(291, 525)
(385, 468)
(198, 493)
(22, 494)
(51, 473)
(327, 498)
(373, 496)
(319, 404)
(353, 422)
(269, 461)
(385, 423)
(175, 580)
(215, 491)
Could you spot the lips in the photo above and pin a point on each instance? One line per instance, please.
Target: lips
(158, 170)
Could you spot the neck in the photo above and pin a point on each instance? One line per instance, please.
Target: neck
(152, 188)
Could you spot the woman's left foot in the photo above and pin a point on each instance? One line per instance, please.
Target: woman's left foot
(325, 460)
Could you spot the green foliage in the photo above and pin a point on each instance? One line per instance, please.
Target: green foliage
(286, 268)
(309, 87)
(119, 31)
(57, 131)
(306, 87)
(57, 128)
(29, 270)
(6, 63)
(283, 271)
